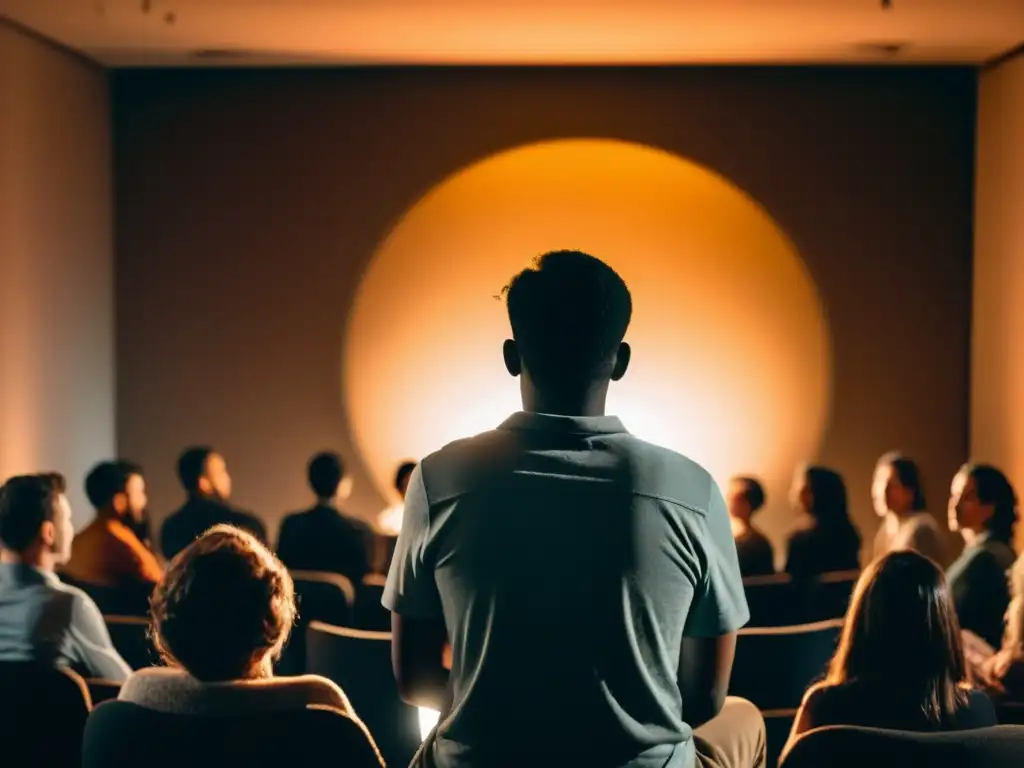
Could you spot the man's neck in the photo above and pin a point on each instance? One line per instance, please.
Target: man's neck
(327, 501)
(591, 404)
(970, 536)
(33, 557)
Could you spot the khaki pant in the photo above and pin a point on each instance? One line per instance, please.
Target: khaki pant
(735, 738)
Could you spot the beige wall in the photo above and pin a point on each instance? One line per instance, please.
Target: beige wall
(56, 263)
(249, 204)
(997, 381)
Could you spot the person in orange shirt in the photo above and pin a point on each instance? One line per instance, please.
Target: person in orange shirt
(107, 553)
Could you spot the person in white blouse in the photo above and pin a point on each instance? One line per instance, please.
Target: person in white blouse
(899, 500)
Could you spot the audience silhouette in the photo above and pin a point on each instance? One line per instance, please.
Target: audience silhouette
(323, 538)
(983, 509)
(825, 540)
(745, 497)
(204, 476)
(42, 619)
(898, 496)
(900, 663)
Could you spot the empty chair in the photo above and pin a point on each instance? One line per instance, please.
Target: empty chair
(42, 715)
(130, 636)
(850, 747)
(772, 601)
(124, 735)
(319, 596)
(774, 666)
(360, 662)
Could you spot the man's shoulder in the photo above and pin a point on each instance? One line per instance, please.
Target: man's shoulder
(647, 469)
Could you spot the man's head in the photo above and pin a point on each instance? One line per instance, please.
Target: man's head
(745, 497)
(326, 475)
(35, 519)
(569, 314)
(204, 473)
(118, 487)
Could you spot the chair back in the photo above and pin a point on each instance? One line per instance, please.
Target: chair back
(130, 636)
(369, 613)
(42, 715)
(848, 747)
(827, 596)
(360, 662)
(771, 600)
(120, 734)
(777, 726)
(320, 596)
(774, 666)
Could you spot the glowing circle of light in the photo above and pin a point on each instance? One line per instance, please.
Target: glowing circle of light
(731, 361)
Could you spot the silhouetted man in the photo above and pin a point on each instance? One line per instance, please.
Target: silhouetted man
(324, 538)
(204, 476)
(745, 499)
(42, 619)
(588, 580)
(108, 552)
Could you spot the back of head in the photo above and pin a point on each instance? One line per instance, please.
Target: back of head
(325, 473)
(224, 608)
(993, 487)
(192, 466)
(26, 502)
(829, 505)
(569, 313)
(107, 479)
(753, 491)
(909, 475)
(902, 636)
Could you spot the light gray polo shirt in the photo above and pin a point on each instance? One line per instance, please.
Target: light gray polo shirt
(567, 560)
(44, 620)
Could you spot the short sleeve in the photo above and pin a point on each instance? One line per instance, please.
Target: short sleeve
(719, 603)
(411, 589)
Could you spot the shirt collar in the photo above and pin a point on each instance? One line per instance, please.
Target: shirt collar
(567, 425)
(29, 573)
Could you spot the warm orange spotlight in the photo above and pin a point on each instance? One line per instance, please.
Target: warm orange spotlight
(731, 360)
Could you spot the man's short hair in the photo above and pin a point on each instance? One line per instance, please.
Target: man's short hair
(569, 314)
(402, 473)
(26, 502)
(753, 492)
(107, 479)
(325, 472)
(224, 601)
(192, 466)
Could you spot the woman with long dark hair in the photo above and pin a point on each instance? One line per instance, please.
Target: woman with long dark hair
(898, 496)
(900, 662)
(983, 509)
(825, 540)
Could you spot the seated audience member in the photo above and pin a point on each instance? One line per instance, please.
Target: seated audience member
(107, 552)
(324, 538)
(1002, 671)
(983, 508)
(204, 476)
(220, 618)
(825, 540)
(746, 497)
(899, 500)
(900, 663)
(389, 522)
(588, 580)
(42, 619)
